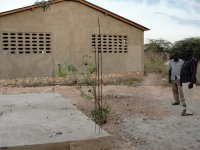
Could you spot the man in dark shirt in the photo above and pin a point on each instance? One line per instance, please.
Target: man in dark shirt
(188, 81)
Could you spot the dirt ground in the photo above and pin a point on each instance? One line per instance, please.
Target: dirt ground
(141, 117)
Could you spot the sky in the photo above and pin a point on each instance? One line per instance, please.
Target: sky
(171, 20)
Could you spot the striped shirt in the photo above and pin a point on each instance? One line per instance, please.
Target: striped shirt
(189, 67)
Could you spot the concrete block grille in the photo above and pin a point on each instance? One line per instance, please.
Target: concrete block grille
(26, 43)
(110, 43)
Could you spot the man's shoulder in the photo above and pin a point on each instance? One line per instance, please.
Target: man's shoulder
(171, 60)
(181, 60)
(193, 59)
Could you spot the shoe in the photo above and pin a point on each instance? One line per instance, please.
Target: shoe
(175, 103)
(184, 105)
(184, 113)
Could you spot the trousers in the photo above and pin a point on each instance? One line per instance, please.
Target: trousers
(189, 97)
(178, 92)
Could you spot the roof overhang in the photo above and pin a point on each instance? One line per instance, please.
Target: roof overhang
(109, 13)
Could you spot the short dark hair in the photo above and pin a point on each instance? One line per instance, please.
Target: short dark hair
(190, 49)
(176, 53)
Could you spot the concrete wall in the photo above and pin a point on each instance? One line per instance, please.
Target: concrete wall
(71, 25)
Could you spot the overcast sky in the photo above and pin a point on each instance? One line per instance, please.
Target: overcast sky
(168, 19)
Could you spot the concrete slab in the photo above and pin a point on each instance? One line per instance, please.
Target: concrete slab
(47, 122)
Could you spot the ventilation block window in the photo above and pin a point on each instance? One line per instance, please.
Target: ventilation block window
(26, 43)
(110, 43)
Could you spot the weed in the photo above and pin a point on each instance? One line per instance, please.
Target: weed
(100, 115)
(61, 71)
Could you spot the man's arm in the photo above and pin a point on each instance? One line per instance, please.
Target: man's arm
(169, 72)
(169, 76)
(181, 76)
(194, 72)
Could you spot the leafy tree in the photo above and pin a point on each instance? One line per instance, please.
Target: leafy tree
(180, 46)
(158, 45)
(45, 4)
(161, 45)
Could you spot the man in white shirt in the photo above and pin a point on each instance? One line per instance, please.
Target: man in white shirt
(175, 66)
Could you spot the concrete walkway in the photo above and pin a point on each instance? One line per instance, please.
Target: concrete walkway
(47, 122)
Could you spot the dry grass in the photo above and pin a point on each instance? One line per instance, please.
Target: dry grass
(130, 79)
(154, 63)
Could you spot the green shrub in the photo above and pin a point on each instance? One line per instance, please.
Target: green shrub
(100, 115)
(62, 72)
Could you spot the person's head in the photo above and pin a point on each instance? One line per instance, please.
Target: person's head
(189, 51)
(176, 56)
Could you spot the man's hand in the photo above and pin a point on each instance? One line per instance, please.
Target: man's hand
(190, 85)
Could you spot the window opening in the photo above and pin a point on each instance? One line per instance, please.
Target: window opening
(110, 43)
(26, 43)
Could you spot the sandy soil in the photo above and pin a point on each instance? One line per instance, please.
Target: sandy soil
(141, 117)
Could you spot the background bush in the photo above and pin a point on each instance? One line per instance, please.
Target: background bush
(155, 49)
(161, 45)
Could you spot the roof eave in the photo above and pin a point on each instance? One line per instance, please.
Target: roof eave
(107, 12)
(143, 28)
